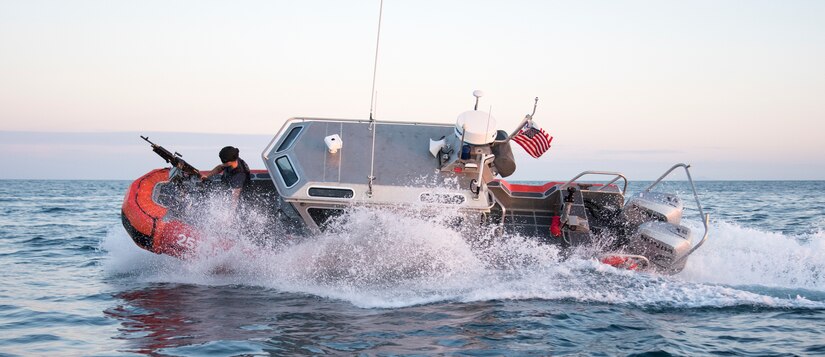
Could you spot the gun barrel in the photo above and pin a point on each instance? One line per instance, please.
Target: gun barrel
(148, 141)
(174, 159)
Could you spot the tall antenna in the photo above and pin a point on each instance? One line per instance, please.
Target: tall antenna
(372, 127)
(375, 64)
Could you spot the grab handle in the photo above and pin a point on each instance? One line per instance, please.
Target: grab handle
(705, 217)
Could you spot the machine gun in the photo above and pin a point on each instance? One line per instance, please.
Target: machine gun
(175, 159)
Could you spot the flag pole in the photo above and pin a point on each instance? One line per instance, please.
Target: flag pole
(527, 118)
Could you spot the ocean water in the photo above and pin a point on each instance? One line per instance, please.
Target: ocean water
(73, 283)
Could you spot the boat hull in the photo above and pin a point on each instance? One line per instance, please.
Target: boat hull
(145, 220)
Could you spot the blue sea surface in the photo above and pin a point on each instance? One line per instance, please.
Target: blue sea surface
(73, 283)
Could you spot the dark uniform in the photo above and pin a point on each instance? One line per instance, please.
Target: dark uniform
(238, 177)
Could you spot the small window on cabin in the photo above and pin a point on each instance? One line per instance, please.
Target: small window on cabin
(322, 216)
(287, 171)
(443, 198)
(290, 138)
(331, 192)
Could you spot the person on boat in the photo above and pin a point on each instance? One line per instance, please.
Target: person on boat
(234, 172)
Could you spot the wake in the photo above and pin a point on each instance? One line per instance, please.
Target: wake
(386, 259)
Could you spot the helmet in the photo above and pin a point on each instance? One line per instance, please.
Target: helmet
(228, 154)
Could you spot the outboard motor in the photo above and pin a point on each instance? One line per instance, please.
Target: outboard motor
(654, 206)
(658, 236)
(663, 244)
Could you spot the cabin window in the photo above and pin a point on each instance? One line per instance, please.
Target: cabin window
(322, 216)
(331, 192)
(290, 138)
(443, 198)
(287, 171)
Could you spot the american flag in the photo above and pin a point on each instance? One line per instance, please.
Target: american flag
(533, 139)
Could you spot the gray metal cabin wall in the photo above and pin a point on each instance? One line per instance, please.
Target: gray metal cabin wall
(401, 154)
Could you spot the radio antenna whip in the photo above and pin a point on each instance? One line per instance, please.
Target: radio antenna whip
(372, 127)
(375, 64)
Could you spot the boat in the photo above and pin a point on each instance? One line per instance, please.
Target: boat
(317, 169)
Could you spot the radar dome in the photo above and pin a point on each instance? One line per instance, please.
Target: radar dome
(477, 127)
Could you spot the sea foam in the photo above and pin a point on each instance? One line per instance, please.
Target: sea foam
(387, 259)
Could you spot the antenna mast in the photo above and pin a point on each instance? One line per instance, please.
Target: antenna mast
(372, 127)
(375, 64)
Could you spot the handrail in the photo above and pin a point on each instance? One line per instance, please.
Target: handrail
(503, 209)
(618, 175)
(705, 217)
(481, 167)
(704, 238)
(265, 153)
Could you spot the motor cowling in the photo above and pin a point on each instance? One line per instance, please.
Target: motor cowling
(663, 243)
(654, 206)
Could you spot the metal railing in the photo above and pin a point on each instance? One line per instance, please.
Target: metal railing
(618, 175)
(705, 217)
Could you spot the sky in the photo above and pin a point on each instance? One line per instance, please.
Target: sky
(736, 88)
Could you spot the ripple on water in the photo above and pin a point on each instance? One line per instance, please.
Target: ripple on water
(219, 348)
